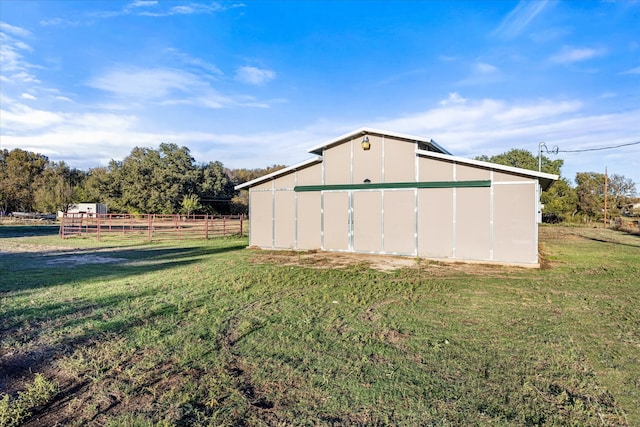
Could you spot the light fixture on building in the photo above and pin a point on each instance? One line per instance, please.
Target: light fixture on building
(366, 145)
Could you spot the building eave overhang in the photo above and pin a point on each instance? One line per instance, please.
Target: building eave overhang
(358, 133)
(545, 179)
(278, 173)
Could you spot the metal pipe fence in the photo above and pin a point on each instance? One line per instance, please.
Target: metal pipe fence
(151, 227)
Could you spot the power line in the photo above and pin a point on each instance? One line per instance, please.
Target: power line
(600, 148)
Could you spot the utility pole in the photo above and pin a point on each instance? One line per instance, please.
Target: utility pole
(605, 197)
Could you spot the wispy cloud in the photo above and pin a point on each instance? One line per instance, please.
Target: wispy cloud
(519, 18)
(16, 31)
(632, 71)
(15, 69)
(166, 86)
(254, 75)
(198, 63)
(482, 73)
(152, 8)
(569, 55)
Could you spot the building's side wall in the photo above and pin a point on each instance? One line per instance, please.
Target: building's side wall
(514, 222)
(435, 222)
(399, 223)
(367, 221)
(399, 161)
(261, 217)
(335, 221)
(337, 164)
(496, 223)
(472, 224)
(283, 219)
(308, 223)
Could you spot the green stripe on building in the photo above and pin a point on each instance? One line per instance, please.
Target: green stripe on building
(393, 185)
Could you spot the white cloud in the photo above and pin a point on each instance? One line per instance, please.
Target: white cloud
(142, 3)
(16, 31)
(482, 73)
(28, 96)
(519, 18)
(570, 55)
(453, 98)
(167, 86)
(493, 126)
(254, 75)
(20, 118)
(632, 71)
(141, 83)
(485, 68)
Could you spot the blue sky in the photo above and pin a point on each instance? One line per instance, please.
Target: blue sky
(256, 83)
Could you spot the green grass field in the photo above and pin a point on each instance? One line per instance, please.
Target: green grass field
(121, 333)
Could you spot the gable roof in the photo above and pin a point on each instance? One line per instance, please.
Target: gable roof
(432, 150)
(359, 133)
(278, 173)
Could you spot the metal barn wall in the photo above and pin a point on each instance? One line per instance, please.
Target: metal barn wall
(383, 201)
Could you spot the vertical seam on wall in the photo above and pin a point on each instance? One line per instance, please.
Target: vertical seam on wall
(322, 220)
(382, 219)
(351, 233)
(491, 195)
(416, 174)
(537, 207)
(383, 150)
(273, 213)
(415, 223)
(453, 216)
(295, 209)
(250, 216)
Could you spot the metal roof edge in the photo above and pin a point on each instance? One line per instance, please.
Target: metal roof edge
(372, 131)
(277, 173)
(497, 166)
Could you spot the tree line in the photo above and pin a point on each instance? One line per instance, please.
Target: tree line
(164, 180)
(168, 180)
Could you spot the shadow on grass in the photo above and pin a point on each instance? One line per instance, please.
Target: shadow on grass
(12, 231)
(37, 334)
(25, 271)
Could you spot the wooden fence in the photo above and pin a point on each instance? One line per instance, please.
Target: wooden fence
(150, 226)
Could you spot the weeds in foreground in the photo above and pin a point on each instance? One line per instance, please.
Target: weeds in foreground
(14, 411)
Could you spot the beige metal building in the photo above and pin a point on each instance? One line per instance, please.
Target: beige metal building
(373, 191)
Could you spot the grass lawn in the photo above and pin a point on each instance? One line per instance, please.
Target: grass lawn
(119, 333)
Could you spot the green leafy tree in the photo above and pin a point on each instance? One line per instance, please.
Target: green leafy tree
(190, 203)
(524, 159)
(154, 181)
(19, 170)
(559, 201)
(590, 191)
(55, 188)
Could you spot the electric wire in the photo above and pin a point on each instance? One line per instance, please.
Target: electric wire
(599, 148)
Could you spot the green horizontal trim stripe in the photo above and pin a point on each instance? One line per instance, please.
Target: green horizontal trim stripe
(393, 185)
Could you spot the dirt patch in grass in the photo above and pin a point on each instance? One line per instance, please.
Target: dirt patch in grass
(330, 260)
(386, 263)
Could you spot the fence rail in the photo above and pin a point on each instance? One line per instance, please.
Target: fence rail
(151, 227)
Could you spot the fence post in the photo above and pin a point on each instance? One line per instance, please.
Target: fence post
(98, 225)
(241, 229)
(206, 226)
(150, 231)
